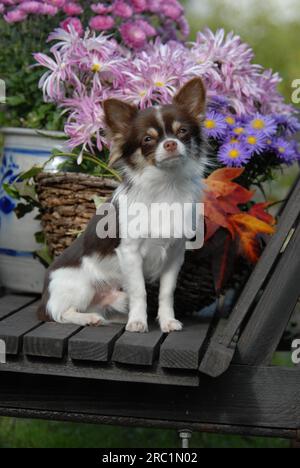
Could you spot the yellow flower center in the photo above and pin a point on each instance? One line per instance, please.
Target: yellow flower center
(230, 120)
(252, 140)
(96, 67)
(234, 153)
(239, 130)
(258, 124)
(234, 140)
(281, 149)
(159, 84)
(210, 124)
(142, 93)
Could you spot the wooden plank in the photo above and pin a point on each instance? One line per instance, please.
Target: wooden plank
(182, 350)
(259, 397)
(139, 349)
(13, 303)
(218, 358)
(94, 344)
(263, 267)
(49, 340)
(15, 326)
(270, 318)
(83, 370)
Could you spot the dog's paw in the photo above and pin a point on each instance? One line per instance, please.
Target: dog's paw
(137, 326)
(168, 326)
(93, 320)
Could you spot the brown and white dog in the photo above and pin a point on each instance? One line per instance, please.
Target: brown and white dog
(162, 153)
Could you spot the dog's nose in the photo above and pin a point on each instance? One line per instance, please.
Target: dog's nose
(170, 146)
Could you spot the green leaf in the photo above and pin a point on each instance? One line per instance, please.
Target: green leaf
(44, 256)
(23, 209)
(40, 237)
(31, 173)
(11, 190)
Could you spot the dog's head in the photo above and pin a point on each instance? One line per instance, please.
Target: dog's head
(164, 137)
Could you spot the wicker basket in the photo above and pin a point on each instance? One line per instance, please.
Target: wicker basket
(67, 201)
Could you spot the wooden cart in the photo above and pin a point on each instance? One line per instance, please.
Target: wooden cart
(215, 376)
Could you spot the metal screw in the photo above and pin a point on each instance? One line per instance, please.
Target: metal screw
(185, 435)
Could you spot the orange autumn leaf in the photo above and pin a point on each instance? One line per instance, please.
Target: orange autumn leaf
(223, 198)
(247, 228)
(259, 212)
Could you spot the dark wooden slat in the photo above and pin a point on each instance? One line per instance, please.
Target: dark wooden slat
(140, 349)
(48, 340)
(99, 371)
(12, 303)
(263, 267)
(219, 353)
(182, 350)
(263, 397)
(94, 344)
(268, 322)
(14, 327)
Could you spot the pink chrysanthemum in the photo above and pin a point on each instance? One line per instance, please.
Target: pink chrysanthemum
(102, 23)
(15, 16)
(30, 7)
(74, 23)
(133, 35)
(122, 9)
(72, 9)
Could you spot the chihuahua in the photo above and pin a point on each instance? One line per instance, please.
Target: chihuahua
(161, 152)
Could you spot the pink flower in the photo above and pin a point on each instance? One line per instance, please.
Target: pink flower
(154, 6)
(72, 9)
(57, 3)
(47, 9)
(30, 7)
(133, 35)
(73, 22)
(139, 5)
(122, 9)
(148, 29)
(1, 9)
(102, 23)
(101, 9)
(172, 10)
(15, 16)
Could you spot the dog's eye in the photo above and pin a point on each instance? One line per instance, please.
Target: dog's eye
(182, 131)
(147, 139)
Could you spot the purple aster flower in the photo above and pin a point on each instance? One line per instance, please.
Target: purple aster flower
(122, 9)
(215, 125)
(284, 149)
(102, 23)
(234, 154)
(133, 35)
(255, 142)
(262, 124)
(289, 123)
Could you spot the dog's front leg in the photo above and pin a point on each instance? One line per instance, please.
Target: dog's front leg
(168, 281)
(131, 263)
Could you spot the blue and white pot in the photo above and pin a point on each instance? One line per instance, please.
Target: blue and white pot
(23, 148)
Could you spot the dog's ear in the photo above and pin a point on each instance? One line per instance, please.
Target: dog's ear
(118, 115)
(118, 119)
(192, 97)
